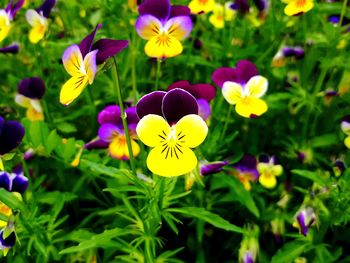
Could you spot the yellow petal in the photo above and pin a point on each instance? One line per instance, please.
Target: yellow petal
(90, 65)
(262, 167)
(191, 130)
(73, 61)
(163, 46)
(4, 25)
(249, 107)
(118, 148)
(34, 115)
(298, 6)
(151, 129)
(347, 142)
(267, 180)
(73, 88)
(232, 92)
(198, 6)
(256, 86)
(37, 33)
(277, 170)
(217, 20)
(167, 163)
(22, 100)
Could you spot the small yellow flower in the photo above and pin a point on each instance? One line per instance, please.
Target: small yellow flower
(201, 6)
(6, 211)
(268, 172)
(39, 25)
(221, 14)
(296, 7)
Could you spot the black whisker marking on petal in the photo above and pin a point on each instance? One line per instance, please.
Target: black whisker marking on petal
(179, 134)
(178, 149)
(164, 148)
(164, 133)
(166, 156)
(176, 153)
(161, 136)
(171, 152)
(181, 137)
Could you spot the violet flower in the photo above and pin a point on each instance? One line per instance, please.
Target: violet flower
(10, 49)
(11, 135)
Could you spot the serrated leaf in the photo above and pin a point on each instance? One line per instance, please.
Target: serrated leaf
(209, 217)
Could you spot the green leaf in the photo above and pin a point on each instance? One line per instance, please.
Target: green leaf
(52, 141)
(325, 140)
(310, 175)
(209, 217)
(101, 169)
(241, 194)
(10, 200)
(289, 252)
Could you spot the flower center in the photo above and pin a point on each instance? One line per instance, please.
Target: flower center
(163, 39)
(300, 3)
(203, 2)
(172, 143)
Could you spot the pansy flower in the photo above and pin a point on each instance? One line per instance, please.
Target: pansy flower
(11, 135)
(14, 182)
(268, 170)
(243, 87)
(30, 91)
(170, 125)
(212, 168)
(80, 61)
(222, 13)
(203, 93)
(7, 242)
(345, 127)
(304, 219)
(7, 15)
(285, 52)
(297, 7)
(163, 26)
(249, 248)
(38, 19)
(201, 6)
(112, 131)
(246, 171)
(338, 167)
(10, 49)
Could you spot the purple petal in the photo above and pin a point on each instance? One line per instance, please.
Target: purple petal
(212, 168)
(245, 70)
(96, 144)
(11, 49)
(5, 181)
(108, 131)
(46, 7)
(241, 6)
(261, 5)
(301, 221)
(178, 103)
(248, 258)
(11, 136)
(179, 10)
(2, 122)
(150, 104)
(9, 241)
(19, 183)
(248, 165)
(334, 19)
(157, 8)
(221, 75)
(110, 114)
(203, 91)
(182, 84)
(33, 88)
(86, 44)
(264, 159)
(203, 109)
(296, 52)
(108, 48)
(132, 119)
(12, 9)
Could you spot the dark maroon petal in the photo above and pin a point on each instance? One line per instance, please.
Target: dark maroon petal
(132, 119)
(46, 7)
(245, 70)
(11, 49)
(86, 44)
(182, 84)
(33, 88)
(179, 10)
(96, 144)
(11, 136)
(221, 75)
(202, 91)
(108, 48)
(150, 104)
(178, 103)
(212, 168)
(110, 114)
(19, 183)
(157, 8)
(5, 180)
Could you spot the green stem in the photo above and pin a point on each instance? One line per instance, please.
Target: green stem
(46, 112)
(159, 62)
(123, 115)
(228, 117)
(133, 67)
(345, 3)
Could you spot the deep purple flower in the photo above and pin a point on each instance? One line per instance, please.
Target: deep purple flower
(246, 171)
(12, 8)
(212, 168)
(338, 167)
(11, 135)
(305, 219)
(33, 88)
(14, 182)
(46, 7)
(335, 19)
(8, 242)
(96, 144)
(241, 6)
(248, 258)
(204, 93)
(11, 49)
(297, 52)
(261, 5)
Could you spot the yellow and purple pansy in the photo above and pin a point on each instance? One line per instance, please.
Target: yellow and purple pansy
(304, 219)
(213, 167)
(7, 242)
(222, 13)
(38, 19)
(80, 61)
(170, 125)
(30, 91)
(163, 26)
(243, 87)
(345, 127)
(14, 182)
(201, 6)
(112, 135)
(203, 93)
(268, 170)
(7, 15)
(10, 49)
(246, 171)
(297, 7)
(293, 52)
(11, 135)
